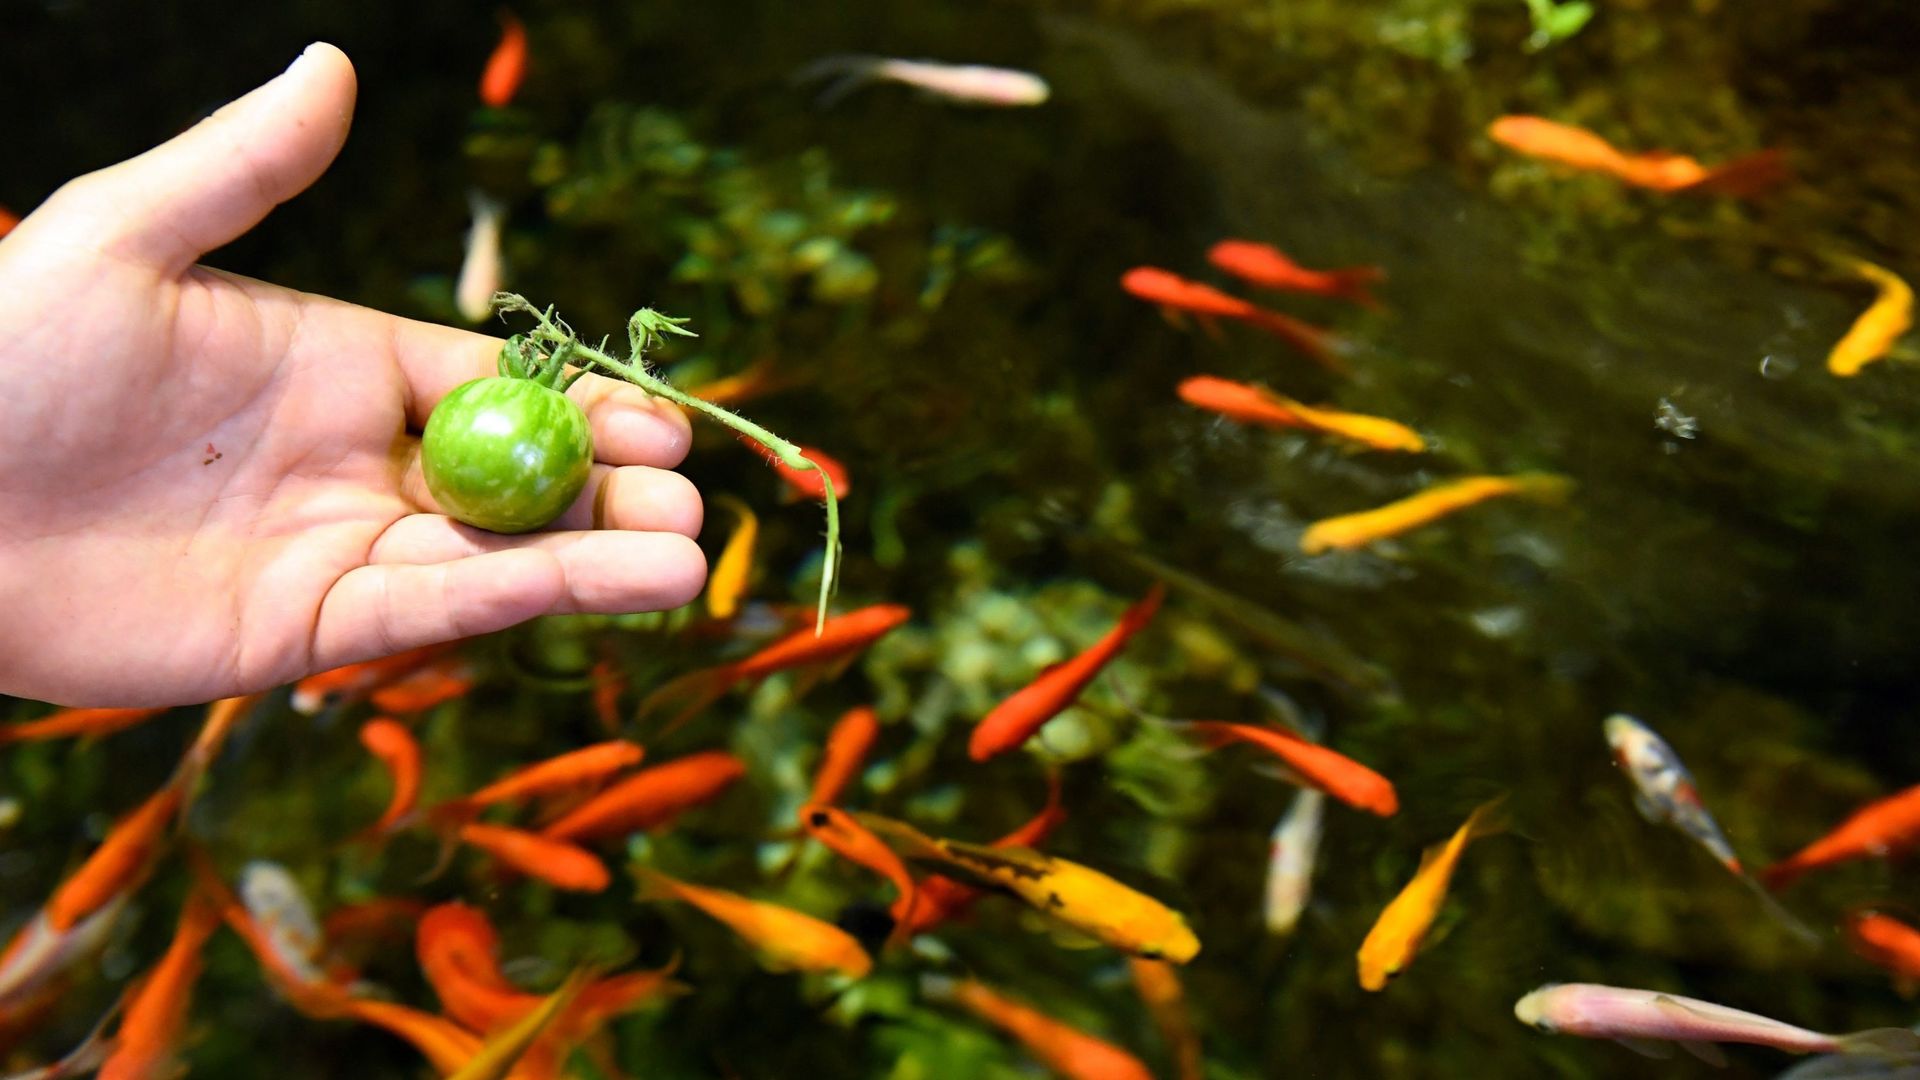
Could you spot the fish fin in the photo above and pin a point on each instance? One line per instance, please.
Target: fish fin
(1883, 1042)
(1781, 915)
(1646, 1047)
(1706, 1052)
(1174, 317)
(1648, 808)
(1212, 326)
(1276, 771)
(1546, 487)
(902, 836)
(1323, 347)
(1781, 874)
(1745, 177)
(1904, 985)
(698, 689)
(482, 205)
(654, 885)
(847, 72)
(1487, 819)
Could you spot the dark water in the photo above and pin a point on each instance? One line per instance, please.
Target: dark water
(1022, 467)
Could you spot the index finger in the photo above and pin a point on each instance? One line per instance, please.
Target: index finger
(630, 426)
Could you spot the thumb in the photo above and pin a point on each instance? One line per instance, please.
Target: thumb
(214, 181)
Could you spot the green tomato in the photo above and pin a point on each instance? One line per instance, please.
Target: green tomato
(506, 455)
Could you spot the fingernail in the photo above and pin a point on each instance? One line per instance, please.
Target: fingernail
(306, 56)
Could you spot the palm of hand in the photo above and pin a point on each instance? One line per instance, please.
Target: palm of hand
(211, 487)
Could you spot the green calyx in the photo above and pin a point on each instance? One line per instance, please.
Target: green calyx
(552, 355)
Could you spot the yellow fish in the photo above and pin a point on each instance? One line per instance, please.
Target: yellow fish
(1358, 530)
(1396, 936)
(1070, 894)
(496, 1059)
(728, 583)
(787, 940)
(1878, 327)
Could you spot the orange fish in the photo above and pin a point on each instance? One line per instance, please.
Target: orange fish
(507, 66)
(808, 482)
(1538, 137)
(942, 898)
(608, 684)
(840, 639)
(1015, 720)
(66, 723)
(1175, 293)
(432, 685)
(1268, 266)
(728, 581)
(1884, 322)
(1888, 942)
(1258, 405)
(1349, 531)
(741, 387)
(1313, 765)
(355, 681)
(649, 798)
(458, 952)
(121, 862)
(851, 841)
(569, 771)
(784, 939)
(1066, 1050)
(143, 1048)
(846, 750)
(446, 1045)
(556, 862)
(1881, 828)
(390, 742)
(8, 219)
(380, 917)
(1159, 987)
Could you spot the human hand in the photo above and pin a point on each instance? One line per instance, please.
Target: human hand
(210, 485)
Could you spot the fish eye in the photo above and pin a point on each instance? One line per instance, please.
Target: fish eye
(1393, 973)
(1152, 954)
(818, 819)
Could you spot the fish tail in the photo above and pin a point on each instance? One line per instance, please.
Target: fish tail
(1546, 487)
(1356, 283)
(847, 71)
(698, 689)
(1488, 819)
(1787, 920)
(654, 885)
(1745, 177)
(1782, 874)
(1323, 347)
(1890, 1042)
(484, 206)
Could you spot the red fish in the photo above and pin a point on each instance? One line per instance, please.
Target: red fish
(942, 899)
(841, 638)
(1268, 266)
(435, 684)
(1015, 720)
(846, 750)
(853, 842)
(507, 66)
(608, 684)
(649, 798)
(1884, 827)
(394, 746)
(1175, 293)
(355, 681)
(1656, 170)
(569, 771)
(556, 862)
(66, 723)
(1888, 942)
(1312, 764)
(807, 482)
(143, 1048)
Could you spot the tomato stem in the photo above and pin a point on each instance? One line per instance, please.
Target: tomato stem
(645, 330)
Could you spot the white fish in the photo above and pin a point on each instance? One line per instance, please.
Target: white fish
(1643, 1019)
(273, 898)
(483, 270)
(1291, 851)
(964, 84)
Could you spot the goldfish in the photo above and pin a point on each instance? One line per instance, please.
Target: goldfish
(483, 270)
(608, 684)
(851, 841)
(847, 745)
(1886, 941)
(144, 1046)
(1159, 988)
(842, 637)
(446, 1045)
(457, 949)
(1638, 1018)
(378, 918)
(506, 65)
(556, 862)
(649, 798)
(1066, 1050)
(1538, 137)
(757, 379)
(438, 682)
(1290, 854)
(1395, 938)
(942, 898)
(355, 681)
(961, 84)
(66, 723)
(810, 483)
(1258, 405)
(289, 969)
(1311, 764)
(784, 939)
(1268, 266)
(8, 221)
(39, 957)
(394, 747)
(1015, 720)
(283, 917)
(1881, 828)
(1874, 332)
(497, 1058)
(121, 862)
(728, 581)
(1350, 531)
(571, 770)
(1664, 791)
(1174, 293)
(1074, 896)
